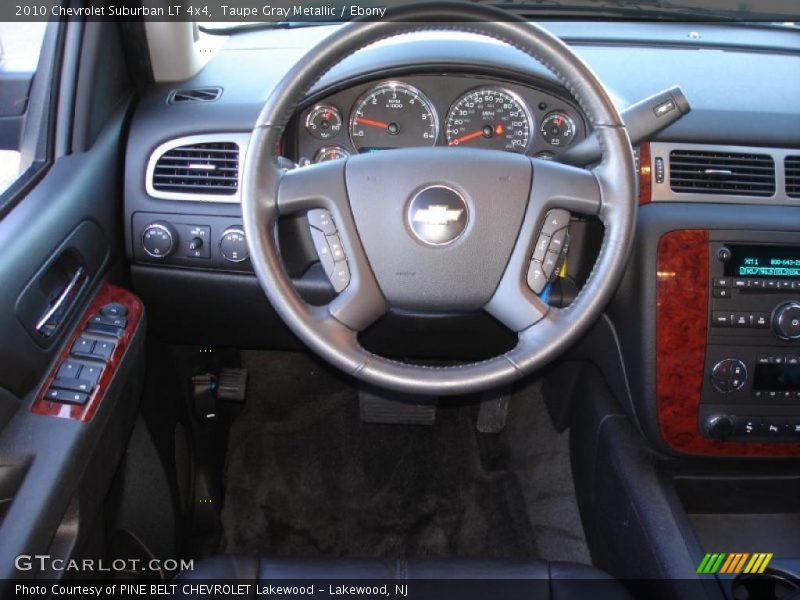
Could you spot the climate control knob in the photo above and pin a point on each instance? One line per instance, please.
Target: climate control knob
(233, 245)
(786, 321)
(719, 427)
(159, 239)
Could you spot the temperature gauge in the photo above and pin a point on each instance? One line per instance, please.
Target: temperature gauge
(557, 129)
(324, 121)
(330, 153)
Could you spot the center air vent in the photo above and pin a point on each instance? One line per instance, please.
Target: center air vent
(205, 169)
(792, 166)
(723, 173)
(208, 94)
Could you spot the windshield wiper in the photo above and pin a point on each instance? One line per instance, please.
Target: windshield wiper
(244, 27)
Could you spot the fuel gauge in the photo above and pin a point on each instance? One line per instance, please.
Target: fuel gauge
(324, 121)
(557, 129)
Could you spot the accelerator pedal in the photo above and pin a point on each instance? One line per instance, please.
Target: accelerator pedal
(394, 408)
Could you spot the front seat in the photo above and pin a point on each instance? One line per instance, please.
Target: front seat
(533, 579)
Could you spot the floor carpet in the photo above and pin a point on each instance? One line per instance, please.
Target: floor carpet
(305, 477)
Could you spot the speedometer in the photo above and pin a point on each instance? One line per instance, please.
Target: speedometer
(490, 118)
(393, 115)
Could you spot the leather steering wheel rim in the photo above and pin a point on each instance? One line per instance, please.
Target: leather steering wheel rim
(607, 191)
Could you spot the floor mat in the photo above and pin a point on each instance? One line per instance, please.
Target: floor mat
(305, 477)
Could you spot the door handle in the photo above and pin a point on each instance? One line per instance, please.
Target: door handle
(51, 318)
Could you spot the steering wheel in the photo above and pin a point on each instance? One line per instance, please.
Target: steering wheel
(439, 229)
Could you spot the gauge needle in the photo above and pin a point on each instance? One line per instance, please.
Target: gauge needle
(466, 138)
(371, 123)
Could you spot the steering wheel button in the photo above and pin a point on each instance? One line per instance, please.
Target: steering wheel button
(321, 219)
(341, 276)
(558, 240)
(556, 219)
(323, 250)
(335, 245)
(541, 247)
(536, 277)
(549, 263)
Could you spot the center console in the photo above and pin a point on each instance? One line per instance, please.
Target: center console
(728, 342)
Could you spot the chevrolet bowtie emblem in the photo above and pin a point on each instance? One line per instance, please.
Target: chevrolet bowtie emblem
(437, 214)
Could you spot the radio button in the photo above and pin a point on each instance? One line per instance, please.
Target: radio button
(771, 284)
(721, 282)
(721, 293)
(741, 283)
(761, 320)
(792, 360)
(756, 283)
(739, 319)
(736, 384)
(785, 285)
(721, 319)
(793, 427)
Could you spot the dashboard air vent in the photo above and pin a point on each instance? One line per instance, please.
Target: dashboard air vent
(208, 94)
(724, 173)
(792, 166)
(209, 168)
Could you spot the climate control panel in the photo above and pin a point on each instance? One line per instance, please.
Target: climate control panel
(205, 242)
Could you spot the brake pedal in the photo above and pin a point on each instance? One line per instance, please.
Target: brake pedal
(232, 385)
(494, 410)
(394, 408)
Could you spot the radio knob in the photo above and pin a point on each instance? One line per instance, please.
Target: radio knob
(719, 427)
(786, 321)
(159, 239)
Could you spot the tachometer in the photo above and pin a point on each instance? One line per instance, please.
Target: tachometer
(490, 118)
(393, 115)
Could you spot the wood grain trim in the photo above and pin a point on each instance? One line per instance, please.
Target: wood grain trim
(645, 175)
(108, 293)
(681, 325)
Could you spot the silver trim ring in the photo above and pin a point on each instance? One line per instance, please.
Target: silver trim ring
(165, 230)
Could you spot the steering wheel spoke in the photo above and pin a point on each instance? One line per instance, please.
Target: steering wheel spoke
(320, 192)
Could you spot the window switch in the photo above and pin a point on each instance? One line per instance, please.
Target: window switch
(83, 347)
(73, 385)
(69, 370)
(104, 328)
(91, 373)
(58, 395)
(103, 350)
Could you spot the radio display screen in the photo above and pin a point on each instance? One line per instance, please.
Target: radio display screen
(780, 262)
(785, 377)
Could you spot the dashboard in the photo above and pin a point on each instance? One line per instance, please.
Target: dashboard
(436, 110)
(727, 174)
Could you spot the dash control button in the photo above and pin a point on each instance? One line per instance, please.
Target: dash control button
(59, 395)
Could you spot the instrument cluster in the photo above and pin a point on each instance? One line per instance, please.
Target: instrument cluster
(436, 110)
